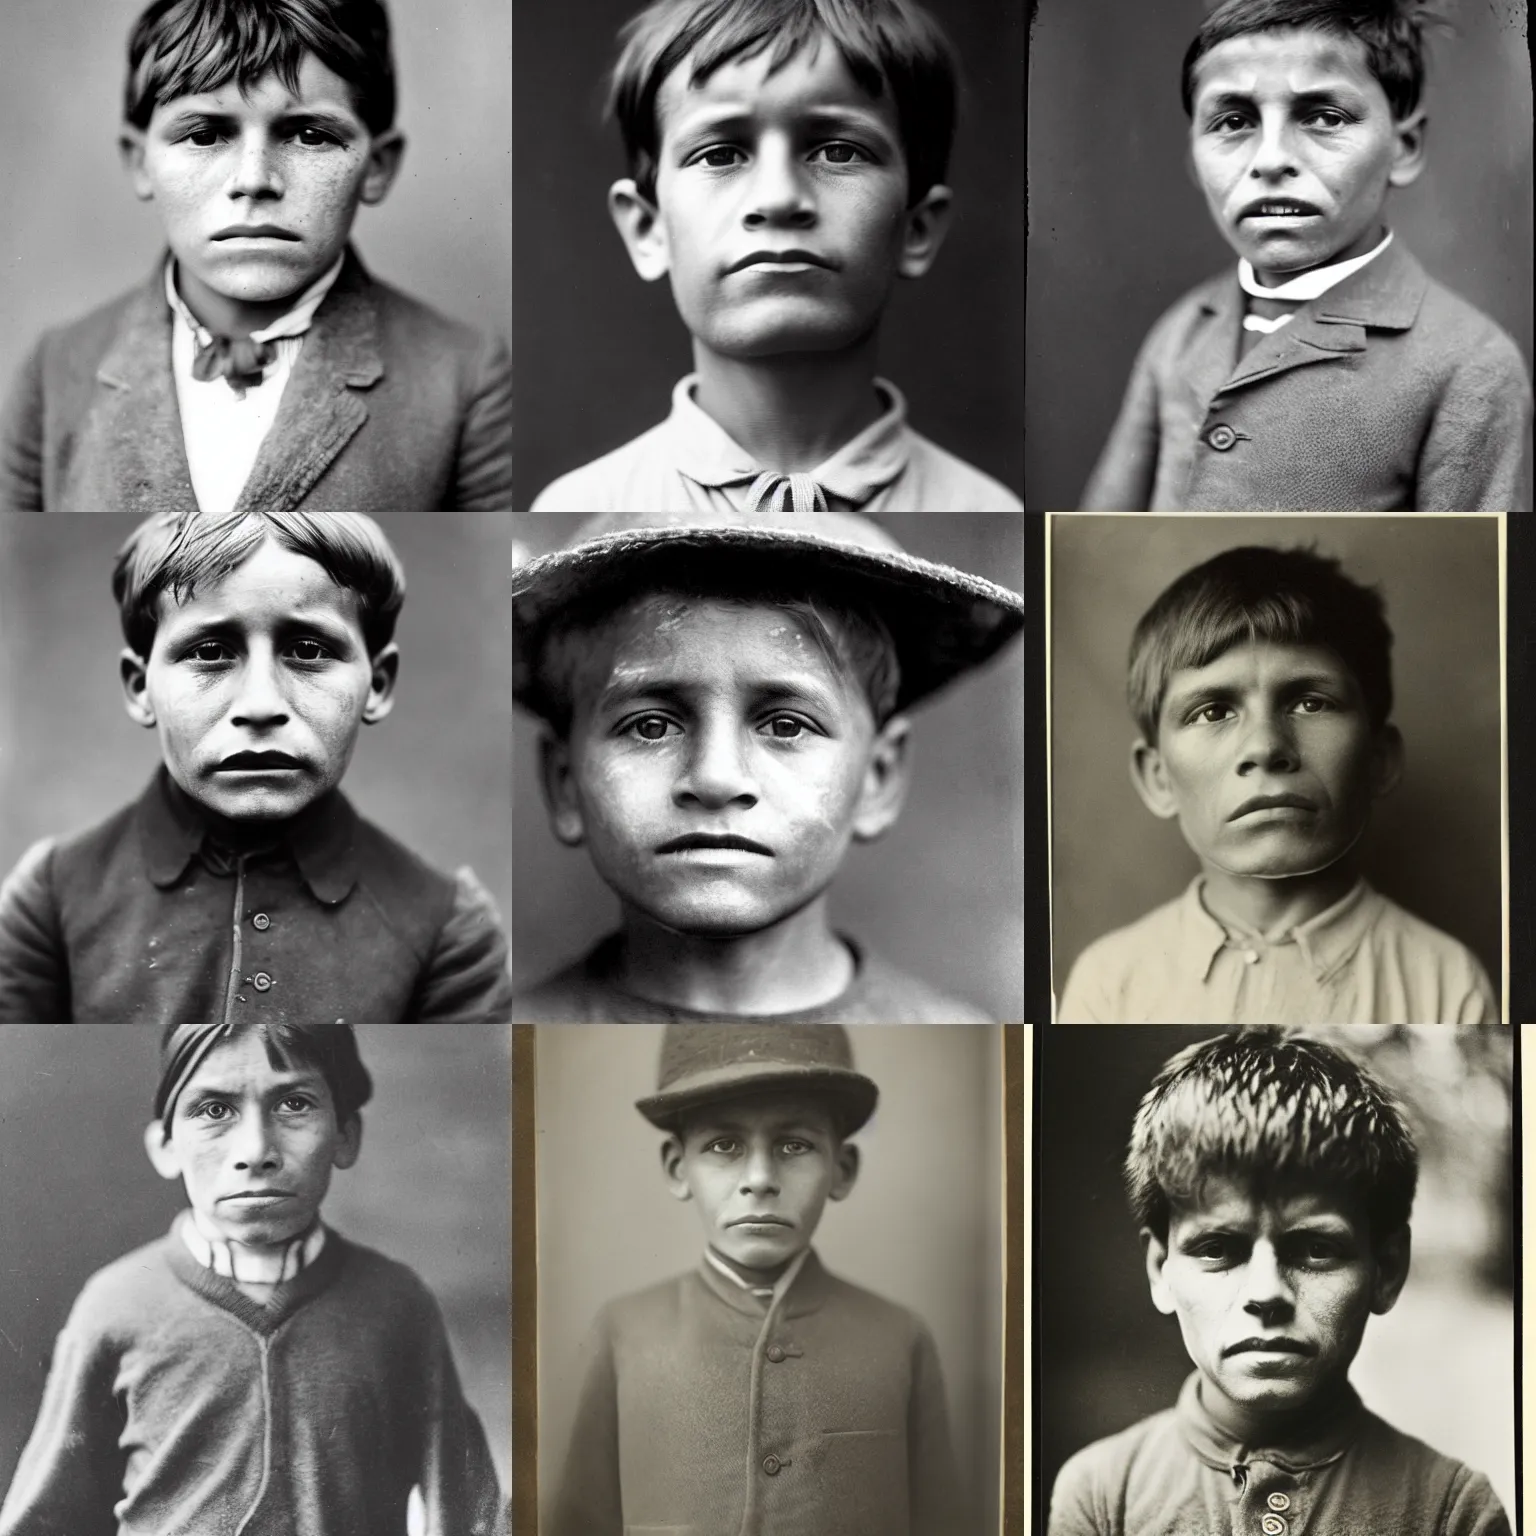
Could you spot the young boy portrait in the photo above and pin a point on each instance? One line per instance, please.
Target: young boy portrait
(787, 171)
(240, 882)
(1267, 736)
(723, 708)
(772, 1350)
(253, 1368)
(1325, 1224)
(260, 365)
(1367, 344)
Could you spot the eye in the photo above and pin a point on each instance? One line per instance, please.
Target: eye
(1229, 122)
(202, 138)
(649, 728)
(309, 650)
(210, 651)
(1215, 1252)
(1320, 1250)
(719, 157)
(724, 1145)
(795, 1147)
(1211, 714)
(1326, 117)
(316, 138)
(297, 1103)
(840, 152)
(1313, 704)
(213, 1109)
(787, 728)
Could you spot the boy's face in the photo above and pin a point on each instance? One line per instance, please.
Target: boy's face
(1268, 759)
(293, 167)
(257, 685)
(1294, 145)
(1272, 1291)
(701, 721)
(780, 212)
(254, 1143)
(760, 1171)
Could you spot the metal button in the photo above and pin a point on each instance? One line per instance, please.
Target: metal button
(1221, 437)
(771, 1465)
(1272, 1525)
(261, 981)
(1279, 1501)
(261, 921)
(776, 1353)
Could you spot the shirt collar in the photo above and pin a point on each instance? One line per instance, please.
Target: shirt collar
(1326, 941)
(237, 1262)
(1310, 285)
(294, 322)
(708, 455)
(1327, 1440)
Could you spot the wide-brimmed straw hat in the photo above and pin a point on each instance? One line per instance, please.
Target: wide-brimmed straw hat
(707, 1063)
(943, 621)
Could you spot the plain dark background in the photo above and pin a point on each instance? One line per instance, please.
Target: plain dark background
(435, 774)
(432, 1189)
(1119, 230)
(1433, 845)
(597, 351)
(941, 895)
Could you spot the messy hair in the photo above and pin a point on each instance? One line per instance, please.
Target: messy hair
(1251, 594)
(1275, 1107)
(176, 551)
(1391, 30)
(184, 47)
(886, 44)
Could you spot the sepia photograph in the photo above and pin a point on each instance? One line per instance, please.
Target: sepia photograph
(1276, 1276)
(781, 1306)
(1277, 770)
(768, 770)
(257, 1277)
(1280, 256)
(256, 765)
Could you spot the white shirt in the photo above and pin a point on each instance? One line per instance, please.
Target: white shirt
(1309, 285)
(223, 431)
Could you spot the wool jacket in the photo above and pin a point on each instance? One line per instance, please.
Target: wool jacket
(137, 921)
(1386, 393)
(706, 1412)
(391, 407)
(178, 1406)
(588, 992)
(1178, 1474)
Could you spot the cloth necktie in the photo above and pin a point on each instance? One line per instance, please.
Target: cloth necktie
(785, 493)
(240, 361)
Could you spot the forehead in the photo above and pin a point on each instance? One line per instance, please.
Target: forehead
(1243, 1203)
(1289, 61)
(320, 89)
(250, 1059)
(762, 1113)
(1262, 664)
(273, 585)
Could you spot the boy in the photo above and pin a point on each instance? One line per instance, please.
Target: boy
(253, 1370)
(260, 366)
(759, 1392)
(1329, 372)
(725, 705)
(242, 884)
(787, 160)
(1272, 1179)
(1261, 682)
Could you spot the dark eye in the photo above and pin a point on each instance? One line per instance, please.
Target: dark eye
(724, 1145)
(213, 1110)
(308, 650)
(786, 728)
(649, 727)
(1230, 123)
(316, 137)
(1313, 705)
(297, 1102)
(797, 1148)
(1212, 714)
(203, 138)
(1215, 1251)
(840, 153)
(209, 650)
(1328, 118)
(719, 156)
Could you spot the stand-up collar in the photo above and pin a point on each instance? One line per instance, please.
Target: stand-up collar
(806, 1289)
(1327, 1439)
(1327, 942)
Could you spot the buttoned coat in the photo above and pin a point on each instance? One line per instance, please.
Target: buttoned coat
(702, 1414)
(1386, 393)
(391, 407)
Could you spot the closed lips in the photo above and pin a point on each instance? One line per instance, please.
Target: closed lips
(781, 258)
(713, 840)
(1272, 802)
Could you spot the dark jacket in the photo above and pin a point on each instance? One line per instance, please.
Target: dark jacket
(391, 407)
(129, 922)
(1387, 393)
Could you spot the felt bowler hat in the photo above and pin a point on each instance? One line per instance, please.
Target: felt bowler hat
(943, 621)
(705, 1063)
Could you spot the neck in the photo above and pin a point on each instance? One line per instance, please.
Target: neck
(794, 964)
(1367, 242)
(223, 316)
(1270, 1428)
(1272, 908)
(752, 1276)
(794, 411)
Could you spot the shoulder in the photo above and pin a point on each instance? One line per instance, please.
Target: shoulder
(1103, 975)
(1391, 1464)
(1444, 978)
(387, 1281)
(574, 995)
(123, 1294)
(633, 477)
(88, 847)
(1189, 311)
(396, 875)
(88, 336)
(1460, 335)
(1100, 1476)
(421, 332)
(887, 995)
(849, 1303)
(944, 482)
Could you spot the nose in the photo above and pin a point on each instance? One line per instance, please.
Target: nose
(779, 194)
(256, 174)
(261, 702)
(716, 773)
(1274, 151)
(1268, 745)
(256, 1147)
(760, 1175)
(1267, 1293)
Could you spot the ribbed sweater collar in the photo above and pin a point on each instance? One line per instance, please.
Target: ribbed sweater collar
(1326, 1441)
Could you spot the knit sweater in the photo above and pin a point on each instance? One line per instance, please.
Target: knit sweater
(178, 1406)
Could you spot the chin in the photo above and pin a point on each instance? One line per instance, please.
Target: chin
(259, 805)
(283, 274)
(790, 327)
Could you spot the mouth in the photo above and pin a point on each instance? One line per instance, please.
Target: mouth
(1277, 1346)
(259, 762)
(759, 1221)
(255, 232)
(782, 261)
(1273, 803)
(1280, 208)
(258, 1196)
(697, 840)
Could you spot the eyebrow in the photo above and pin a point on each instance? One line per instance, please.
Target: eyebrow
(1326, 95)
(297, 117)
(736, 118)
(308, 1078)
(230, 623)
(762, 690)
(1226, 693)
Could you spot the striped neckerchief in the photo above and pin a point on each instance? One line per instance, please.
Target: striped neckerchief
(250, 1266)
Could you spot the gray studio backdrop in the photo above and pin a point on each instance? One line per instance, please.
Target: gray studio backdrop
(598, 350)
(431, 1189)
(434, 774)
(921, 1227)
(942, 894)
(1433, 845)
(1118, 229)
(75, 236)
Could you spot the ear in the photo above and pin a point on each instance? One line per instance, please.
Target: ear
(162, 1150)
(1392, 1256)
(133, 672)
(349, 1143)
(562, 799)
(1150, 776)
(923, 232)
(1386, 761)
(384, 156)
(1155, 1252)
(884, 786)
(383, 674)
(672, 1168)
(1408, 149)
(640, 228)
(130, 150)
(845, 1173)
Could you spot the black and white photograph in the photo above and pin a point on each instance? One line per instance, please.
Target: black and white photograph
(257, 253)
(255, 765)
(257, 1277)
(770, 1278)
(768, 769)
(1280, 256)
(1276, 1276)
(769, 255)
(1277, 771)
